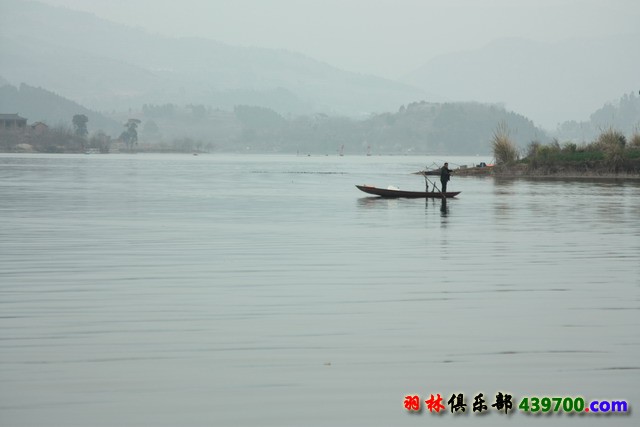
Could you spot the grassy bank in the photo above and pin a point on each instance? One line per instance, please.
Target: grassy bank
(610, 155)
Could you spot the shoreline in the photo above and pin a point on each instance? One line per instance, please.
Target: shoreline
(523, 171)
(582, 171)
(589, 176)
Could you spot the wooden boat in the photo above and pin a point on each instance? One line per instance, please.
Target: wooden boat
(396, 193)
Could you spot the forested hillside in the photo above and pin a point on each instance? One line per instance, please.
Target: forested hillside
(424, 128)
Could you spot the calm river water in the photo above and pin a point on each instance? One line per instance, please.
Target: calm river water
(219, 290)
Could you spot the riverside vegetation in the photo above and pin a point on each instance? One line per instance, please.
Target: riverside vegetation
(609, 155)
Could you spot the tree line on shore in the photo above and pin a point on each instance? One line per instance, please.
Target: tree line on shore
(418, 128)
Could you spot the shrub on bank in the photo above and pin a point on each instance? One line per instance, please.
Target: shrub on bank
(609, 153)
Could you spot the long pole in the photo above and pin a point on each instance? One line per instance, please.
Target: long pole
(441, 193)
(434, 186)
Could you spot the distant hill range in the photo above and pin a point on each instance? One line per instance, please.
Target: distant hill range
(548, 82)
(40, 105)
(108, 66)
(622, 115)
(418, 128)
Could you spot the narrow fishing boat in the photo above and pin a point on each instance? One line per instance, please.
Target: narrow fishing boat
(397, 193)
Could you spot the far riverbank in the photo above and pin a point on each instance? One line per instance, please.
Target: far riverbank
(522, 170)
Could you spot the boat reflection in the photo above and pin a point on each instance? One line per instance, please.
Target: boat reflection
(382, 202)
(377, 202)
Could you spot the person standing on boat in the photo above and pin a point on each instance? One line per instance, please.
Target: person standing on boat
(445, 176)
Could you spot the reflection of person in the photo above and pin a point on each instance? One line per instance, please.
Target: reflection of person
(445, 176)
(444, 210)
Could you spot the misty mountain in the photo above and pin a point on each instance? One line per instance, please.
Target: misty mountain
(40, 105)
(110, 66)
(548, 82)
(622, 115)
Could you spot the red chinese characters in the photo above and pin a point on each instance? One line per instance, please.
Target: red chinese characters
(412, 403)
(434, 404)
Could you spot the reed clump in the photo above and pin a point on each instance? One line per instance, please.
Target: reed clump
(504, 149)
(613, 143)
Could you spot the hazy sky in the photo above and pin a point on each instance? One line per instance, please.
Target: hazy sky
(388, 38)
